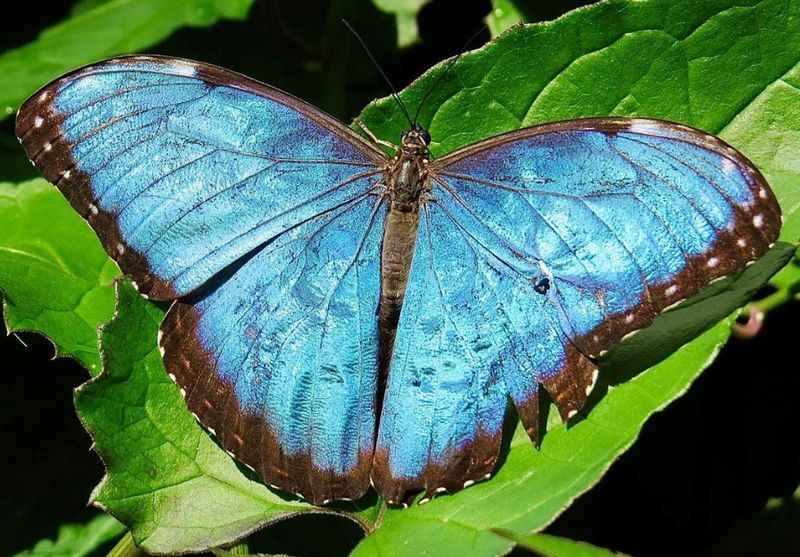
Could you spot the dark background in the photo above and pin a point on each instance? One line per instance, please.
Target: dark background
(696, 481)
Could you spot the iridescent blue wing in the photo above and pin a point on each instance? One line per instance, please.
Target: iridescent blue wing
(445, 400)
(539, 250)
(245, 203)
(279, 360)
(182, 167)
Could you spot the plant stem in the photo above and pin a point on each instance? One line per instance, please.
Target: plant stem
(756, 311)
(126, 548)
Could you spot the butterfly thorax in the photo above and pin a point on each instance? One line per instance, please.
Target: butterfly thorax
(407, 173)
(406, 189)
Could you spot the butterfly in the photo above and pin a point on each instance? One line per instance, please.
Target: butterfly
(341, 318)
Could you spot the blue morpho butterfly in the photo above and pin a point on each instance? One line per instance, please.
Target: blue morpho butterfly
(289, 243)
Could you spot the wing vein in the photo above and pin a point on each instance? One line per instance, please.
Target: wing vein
(306, 202)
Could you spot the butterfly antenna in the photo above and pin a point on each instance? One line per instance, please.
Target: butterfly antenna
(385, 77)
(447, 68)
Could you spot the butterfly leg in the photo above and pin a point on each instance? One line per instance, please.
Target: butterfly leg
(374, 139)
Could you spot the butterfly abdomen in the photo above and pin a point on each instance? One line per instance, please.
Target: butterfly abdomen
(399, 241)
(406, 180)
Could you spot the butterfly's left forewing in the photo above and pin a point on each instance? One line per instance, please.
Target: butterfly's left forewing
(182, 167)
(539, 250)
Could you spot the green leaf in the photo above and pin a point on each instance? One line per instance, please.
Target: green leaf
(730, 68)
(554, 546)
(503, 16)
(82, 6)
(405, 12)
(786, 286)
(54, 274)
(788, 279)
(710, 64)
(98, 30)
(78, 540)
(790, 275)
(768, 131)
(166, 478)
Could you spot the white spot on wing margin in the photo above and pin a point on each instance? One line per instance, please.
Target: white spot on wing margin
(590, 387)
(183, 67)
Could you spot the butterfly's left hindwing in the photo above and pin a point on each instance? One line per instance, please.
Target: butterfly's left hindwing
(182, 167)
(279, 359)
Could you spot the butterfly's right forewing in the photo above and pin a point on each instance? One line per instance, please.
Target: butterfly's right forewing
(539, 250)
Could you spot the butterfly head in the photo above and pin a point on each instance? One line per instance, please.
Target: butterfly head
(415, 140)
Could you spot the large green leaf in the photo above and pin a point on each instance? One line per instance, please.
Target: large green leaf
(167, 479)
(78, 540)
(54, 275)
(708, 64)
(98, 30)
(727, 67)
(554, 546)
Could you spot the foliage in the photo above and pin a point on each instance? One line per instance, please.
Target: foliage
(78, 540)
(55, 275)
(731, 68)
(99, 30)
(504, 14)
(405, 13)
(553, 546)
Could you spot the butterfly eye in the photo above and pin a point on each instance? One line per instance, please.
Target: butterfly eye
(422, 133)
(426, 137)
(542, 285)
